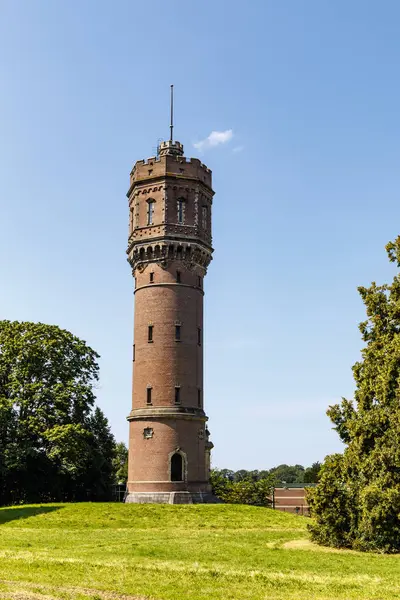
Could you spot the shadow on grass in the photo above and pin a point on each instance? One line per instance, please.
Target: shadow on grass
(24, 512)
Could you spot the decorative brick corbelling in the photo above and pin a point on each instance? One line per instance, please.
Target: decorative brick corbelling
(191, 254)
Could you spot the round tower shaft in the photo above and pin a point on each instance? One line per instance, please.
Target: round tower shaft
(169, 250)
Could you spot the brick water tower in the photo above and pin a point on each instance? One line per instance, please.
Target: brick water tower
(169, 250)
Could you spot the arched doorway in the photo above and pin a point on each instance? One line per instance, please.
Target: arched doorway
(177, 467)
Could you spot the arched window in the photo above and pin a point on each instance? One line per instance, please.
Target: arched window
(150, 211)
(177, 467)
(181, 210)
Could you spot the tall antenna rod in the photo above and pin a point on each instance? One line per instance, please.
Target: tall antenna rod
(172, 114)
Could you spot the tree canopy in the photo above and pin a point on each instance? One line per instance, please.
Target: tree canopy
(120, 463)
(256, 487)
(243, 490)
(54, 443)
(281, 475)
(357, 502)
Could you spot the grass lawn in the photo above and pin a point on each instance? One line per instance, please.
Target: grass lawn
(199, 552)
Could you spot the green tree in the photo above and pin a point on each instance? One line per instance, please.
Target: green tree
(240, 475)
(220, 482)
(228, 474)
(246, 490)
(311, 474)
(120, 463)
(102, 450)
(357, 501)
(286, 474)
(7, 441)
(49, 433)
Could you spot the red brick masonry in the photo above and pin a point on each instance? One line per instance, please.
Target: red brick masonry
(169, 250)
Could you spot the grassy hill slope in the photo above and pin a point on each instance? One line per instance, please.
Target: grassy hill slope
(115, 551)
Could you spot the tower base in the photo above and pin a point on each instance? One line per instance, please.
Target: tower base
(171, 498)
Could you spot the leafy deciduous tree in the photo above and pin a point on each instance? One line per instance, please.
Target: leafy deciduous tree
(357, 501)
(288, 474)
(120, 463)
(311, 474)
(52, 444)
(246, 490)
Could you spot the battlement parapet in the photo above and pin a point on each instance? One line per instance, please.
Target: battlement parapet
(147, 161)
(171, 165)
(194, 161)
(179, 159)
(170, 148)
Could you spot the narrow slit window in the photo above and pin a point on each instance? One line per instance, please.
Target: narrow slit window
(152, 277)
(148, 395)
(177, 394)
(178, 277)
(181, 211)
(199, 281)
(133, 353)
(199, 398)
(150, 212)
(177, 333)
(150, 333)
(204, 217)
(199, 336)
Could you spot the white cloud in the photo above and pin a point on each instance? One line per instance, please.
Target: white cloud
(238, 149)
(214, 139)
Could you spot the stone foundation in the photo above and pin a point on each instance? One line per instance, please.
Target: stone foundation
(171, 498)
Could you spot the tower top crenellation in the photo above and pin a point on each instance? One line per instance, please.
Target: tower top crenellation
(168, 166)
(181, 159)
(170, 148)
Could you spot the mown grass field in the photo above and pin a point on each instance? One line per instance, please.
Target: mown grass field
(116, 551)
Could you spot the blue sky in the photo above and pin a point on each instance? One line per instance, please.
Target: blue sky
(306, 190)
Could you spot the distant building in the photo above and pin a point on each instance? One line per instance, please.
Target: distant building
(292, 498)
